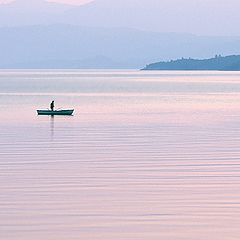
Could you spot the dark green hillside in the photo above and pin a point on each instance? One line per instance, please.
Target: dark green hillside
(219, 63)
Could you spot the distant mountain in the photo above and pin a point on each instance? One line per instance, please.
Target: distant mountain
(30, 12)
(219, 63)
(103, 33)
(196, 16)
(67, 46)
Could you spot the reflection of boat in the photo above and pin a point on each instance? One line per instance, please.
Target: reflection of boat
(56, 112)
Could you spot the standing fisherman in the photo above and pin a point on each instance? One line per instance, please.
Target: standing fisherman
(52, 106)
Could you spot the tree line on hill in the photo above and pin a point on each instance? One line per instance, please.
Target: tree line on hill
(218, 63)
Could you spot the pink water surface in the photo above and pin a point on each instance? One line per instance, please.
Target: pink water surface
(146, 156)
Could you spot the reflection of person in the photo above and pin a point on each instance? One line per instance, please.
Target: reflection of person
(52, 106)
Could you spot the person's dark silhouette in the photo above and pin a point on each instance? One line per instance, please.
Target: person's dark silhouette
(52, 106)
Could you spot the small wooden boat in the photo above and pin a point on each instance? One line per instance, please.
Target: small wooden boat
(55, 112)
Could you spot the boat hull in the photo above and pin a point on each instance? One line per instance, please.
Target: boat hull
(57, 112)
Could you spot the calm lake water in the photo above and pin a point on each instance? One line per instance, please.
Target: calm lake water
(146, 156)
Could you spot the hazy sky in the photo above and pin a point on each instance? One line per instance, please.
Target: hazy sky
(202, 17)
(75, 2)
(211, 3)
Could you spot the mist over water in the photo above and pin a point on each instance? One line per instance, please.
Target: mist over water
(147, 155)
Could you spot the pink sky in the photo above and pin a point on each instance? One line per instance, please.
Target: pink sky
(75, 2)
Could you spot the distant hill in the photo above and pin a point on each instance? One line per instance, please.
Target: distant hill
(219, 63)
(68, 46)
(182, 16)
(114, 34)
